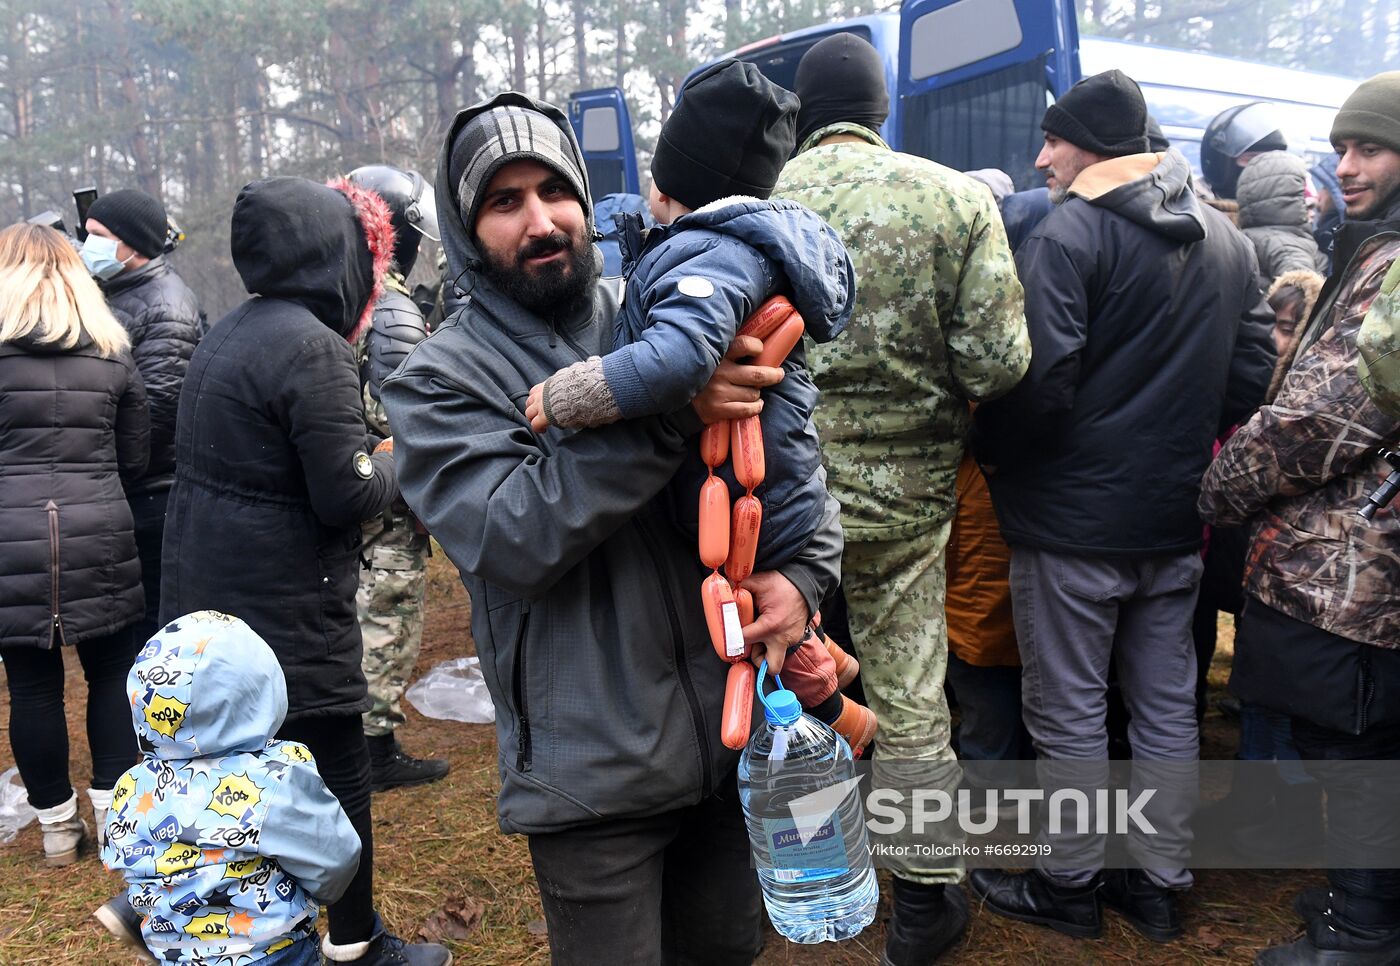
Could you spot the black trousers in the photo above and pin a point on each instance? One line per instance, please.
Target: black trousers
(337, 742)
(1362, 817)
(148, 513)
(39, 729)
(675, 888)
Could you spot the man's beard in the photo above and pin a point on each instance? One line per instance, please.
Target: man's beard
(1058, 194)
(1387, 195)
(550, 289)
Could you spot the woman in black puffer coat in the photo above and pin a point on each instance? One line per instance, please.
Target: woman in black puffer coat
(73, 430)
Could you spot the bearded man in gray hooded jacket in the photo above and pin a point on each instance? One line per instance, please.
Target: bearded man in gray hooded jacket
(585, 597)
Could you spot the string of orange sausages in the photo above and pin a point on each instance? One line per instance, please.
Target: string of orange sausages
(729, 538)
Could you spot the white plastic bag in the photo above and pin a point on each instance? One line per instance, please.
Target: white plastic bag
(15, 812)
(455, 691)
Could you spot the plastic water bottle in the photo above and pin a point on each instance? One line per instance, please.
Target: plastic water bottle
(801, 799)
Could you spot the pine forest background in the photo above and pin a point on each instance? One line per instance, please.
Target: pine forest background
(191, 99)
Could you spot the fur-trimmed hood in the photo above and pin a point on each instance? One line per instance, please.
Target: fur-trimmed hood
(326, 247)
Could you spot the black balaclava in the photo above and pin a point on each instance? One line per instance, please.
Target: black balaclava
(842, 78)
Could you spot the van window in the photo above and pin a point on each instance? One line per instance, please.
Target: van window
(779, 64)
(991, 121)
(605, 176)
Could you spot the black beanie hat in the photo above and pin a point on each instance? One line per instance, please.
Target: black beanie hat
(841, 78)
(730, 133)
(1104, 114)
(1156, 140)
(1372, 112)
(134, 217)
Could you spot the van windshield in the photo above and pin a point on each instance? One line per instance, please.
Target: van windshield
(990, 121)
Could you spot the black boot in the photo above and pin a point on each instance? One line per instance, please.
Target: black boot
(1325, 945)
(390, 768)
(1149, 907)
(1312, 902)
(925, 922)
(1034, 898)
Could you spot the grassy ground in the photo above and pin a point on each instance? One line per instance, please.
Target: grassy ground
(439, 859)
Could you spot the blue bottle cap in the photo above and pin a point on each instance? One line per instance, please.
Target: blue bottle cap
(781, 708)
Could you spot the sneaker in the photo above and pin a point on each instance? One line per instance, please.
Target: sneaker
(1034, 898)
(385, 949)
(390, 767)
(124, 922)
(857, 724)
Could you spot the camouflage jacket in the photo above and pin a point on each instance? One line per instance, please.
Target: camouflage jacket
(939, 320)
(1305, 464)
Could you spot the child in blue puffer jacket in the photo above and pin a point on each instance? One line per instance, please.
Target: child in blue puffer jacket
(720, 251)
(229, 841)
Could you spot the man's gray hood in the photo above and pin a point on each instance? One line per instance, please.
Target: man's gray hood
(1152, 190)
(464, 260)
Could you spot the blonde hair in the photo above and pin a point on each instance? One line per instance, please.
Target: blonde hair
(46, 293)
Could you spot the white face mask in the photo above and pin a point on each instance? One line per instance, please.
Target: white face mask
(100, 256)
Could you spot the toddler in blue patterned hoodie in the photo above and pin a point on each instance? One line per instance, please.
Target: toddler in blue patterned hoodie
(228, 839)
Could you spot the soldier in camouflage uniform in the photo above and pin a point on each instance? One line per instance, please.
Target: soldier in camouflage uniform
(938, 322)
(393, 583)
(1319, 638)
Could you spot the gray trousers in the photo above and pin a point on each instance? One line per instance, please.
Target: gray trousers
(1072, 614)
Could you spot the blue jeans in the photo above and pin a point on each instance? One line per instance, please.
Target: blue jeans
(1268, 736)
(989, 702)
(303, 952)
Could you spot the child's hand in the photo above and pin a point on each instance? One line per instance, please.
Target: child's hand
(534, 409)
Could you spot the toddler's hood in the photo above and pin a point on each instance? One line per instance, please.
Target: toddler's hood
(205, 686)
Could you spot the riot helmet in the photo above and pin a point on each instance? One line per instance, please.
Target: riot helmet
(1235, 131)
(410, 199)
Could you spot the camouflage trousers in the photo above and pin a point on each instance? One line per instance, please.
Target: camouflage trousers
(389, 604)
(895, 591)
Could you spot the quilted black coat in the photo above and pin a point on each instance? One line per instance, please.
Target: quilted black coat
(73, 429)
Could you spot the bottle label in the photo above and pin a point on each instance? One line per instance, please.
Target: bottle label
(820, 857)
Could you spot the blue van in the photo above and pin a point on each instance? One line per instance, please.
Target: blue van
(970, 81)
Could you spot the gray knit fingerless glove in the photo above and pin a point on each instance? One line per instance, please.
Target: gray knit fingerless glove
(578, 396)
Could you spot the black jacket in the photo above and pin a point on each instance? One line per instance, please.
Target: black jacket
(162, 317)
(272, 478)
(1149, 337)
(73, 429)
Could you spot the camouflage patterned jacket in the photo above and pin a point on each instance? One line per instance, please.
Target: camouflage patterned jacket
(1306, 463)
(939, 320)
